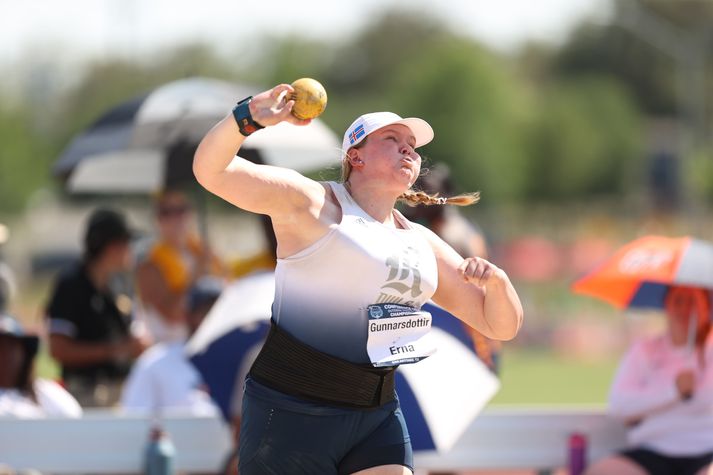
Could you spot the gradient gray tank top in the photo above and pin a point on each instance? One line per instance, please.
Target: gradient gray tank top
(321, 292)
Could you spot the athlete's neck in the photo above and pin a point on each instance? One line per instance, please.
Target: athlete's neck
(377, 203)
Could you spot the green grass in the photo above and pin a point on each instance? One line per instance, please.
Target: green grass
(541, 377)
(45, 366)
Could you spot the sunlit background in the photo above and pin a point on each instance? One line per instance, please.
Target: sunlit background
(584, 124)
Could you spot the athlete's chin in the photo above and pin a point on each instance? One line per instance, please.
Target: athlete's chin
(407, 176)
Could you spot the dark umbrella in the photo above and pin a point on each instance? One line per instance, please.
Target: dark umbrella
(147, 143)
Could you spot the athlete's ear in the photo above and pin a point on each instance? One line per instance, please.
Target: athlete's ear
(354, 158)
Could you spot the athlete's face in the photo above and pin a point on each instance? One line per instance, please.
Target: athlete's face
(389, 154)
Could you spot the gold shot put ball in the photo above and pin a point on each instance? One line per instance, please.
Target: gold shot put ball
(310, 98)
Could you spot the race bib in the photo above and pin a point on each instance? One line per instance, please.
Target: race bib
(398, 334)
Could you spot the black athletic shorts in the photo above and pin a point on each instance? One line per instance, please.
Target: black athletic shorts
(281, 434)
(656, 463)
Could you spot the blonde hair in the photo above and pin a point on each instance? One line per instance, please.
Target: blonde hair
(413, 197)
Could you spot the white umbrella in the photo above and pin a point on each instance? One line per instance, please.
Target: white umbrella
(148, 142)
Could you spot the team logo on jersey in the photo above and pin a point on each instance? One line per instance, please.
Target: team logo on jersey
(403, 284)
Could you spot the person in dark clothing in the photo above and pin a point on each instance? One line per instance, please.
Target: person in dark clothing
(90, 326)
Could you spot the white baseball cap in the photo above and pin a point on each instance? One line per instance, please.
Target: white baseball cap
(367, 123)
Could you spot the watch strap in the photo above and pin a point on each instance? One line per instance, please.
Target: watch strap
(244, 119)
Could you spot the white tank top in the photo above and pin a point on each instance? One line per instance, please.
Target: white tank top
(322, 292)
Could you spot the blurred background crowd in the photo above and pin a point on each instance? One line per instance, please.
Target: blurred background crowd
(576, 145)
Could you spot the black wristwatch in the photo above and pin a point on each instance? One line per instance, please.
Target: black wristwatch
(245, 121)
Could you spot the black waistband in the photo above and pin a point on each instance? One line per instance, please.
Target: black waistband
(290, 366)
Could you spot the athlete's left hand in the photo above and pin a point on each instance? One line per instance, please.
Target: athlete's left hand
(480, 272)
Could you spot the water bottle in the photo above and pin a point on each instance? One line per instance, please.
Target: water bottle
(577, 457)
(160, 454)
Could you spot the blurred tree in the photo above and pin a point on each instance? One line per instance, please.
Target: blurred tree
(290, 58)
(394, 39)
(496, 128)
(619, 49)
(701, 171)
(609, 50)
(587, 141)
(107, 83)
(359, 72)
(662, 51)
(23, 155)
(480, 112)
(33, 137)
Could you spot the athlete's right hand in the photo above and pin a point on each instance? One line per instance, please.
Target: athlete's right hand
(480, 272)
(272, 107)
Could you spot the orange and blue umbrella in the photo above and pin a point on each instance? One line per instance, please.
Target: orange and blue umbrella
(639, 274)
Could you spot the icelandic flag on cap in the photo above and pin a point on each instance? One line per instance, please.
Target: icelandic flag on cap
(356, 134)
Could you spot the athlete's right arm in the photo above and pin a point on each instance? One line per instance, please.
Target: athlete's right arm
(278, 192)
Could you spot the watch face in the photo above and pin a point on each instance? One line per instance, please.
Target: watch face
(248, 127)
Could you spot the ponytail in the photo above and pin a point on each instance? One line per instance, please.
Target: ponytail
(415, 198)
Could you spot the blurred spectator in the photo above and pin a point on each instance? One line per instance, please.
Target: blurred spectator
(20, 394)
(90, 326)
(462, 235)
(171, 266)
(163, 377)
(8, 285)
(663, 391)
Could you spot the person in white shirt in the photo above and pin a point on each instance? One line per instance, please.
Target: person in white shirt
(663, 391)
(21, 395)
(163, 379)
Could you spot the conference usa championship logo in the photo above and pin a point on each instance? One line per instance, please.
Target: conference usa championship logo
(356, 134)
(375, 312)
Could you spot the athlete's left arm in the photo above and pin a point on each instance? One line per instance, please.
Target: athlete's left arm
(476, 291)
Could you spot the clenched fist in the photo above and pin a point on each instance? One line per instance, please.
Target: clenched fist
(480, 272)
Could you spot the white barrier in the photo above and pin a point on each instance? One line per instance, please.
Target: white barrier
(527, 438)
(102, 442)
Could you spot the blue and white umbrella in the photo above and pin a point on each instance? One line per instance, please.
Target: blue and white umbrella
(226, 343)
(440, 396)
